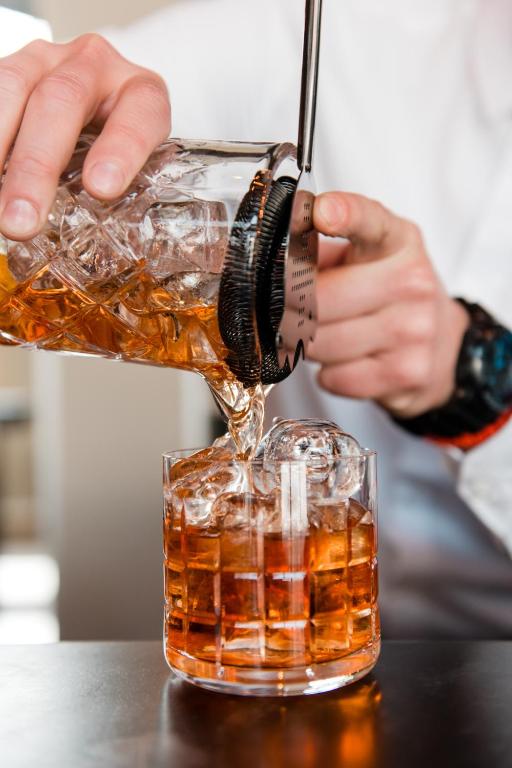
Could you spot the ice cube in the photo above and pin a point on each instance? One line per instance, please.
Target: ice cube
(328, 515)
(91, 256)
(195, 492)
(222, 449)
(244, 510)
(190, 289)
(334, 464)
(251, 513)
(23, 260)
(263, 477)
(185, 236)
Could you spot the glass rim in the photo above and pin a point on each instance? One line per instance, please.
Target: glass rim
(187, 453)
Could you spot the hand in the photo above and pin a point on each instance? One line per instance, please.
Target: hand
(387, 328)
(48, 93)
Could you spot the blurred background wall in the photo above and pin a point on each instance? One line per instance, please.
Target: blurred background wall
(71, 18)
(80, 461)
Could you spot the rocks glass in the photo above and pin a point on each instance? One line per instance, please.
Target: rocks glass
(270, 572)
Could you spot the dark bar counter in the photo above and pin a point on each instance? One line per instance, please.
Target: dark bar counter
(116, 705)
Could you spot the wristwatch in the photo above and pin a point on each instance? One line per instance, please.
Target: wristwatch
(482, 401)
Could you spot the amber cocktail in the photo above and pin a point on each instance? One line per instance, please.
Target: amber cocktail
(270, 572)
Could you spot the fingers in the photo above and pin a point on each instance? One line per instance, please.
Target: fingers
(359, 379)
(400, 371)
(140, 121)
(58, 107)
(332, 253)
(19, 74)
(349, 340)
(340, 214)
(48, 93)
(66, 84)
(349, 291)
(354, 290)
(395, 326)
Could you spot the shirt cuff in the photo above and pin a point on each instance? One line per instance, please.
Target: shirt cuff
(485, 483)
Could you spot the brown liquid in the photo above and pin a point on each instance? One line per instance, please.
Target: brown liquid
(241, 598)
(233, 596)
(130, 318)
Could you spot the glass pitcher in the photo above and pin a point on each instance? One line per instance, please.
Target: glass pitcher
(187, 269)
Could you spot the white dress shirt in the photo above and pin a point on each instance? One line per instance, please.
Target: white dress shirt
(18, 29)
(415, 110)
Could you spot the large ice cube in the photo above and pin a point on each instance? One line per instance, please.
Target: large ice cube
(333, 460)
(185, 236)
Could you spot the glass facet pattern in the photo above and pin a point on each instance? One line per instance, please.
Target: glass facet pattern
(269, 592)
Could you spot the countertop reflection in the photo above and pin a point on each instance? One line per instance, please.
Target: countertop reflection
(116, 705)
(339, 728)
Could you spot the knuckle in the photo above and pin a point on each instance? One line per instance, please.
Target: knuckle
(422, 326)
(412, 371)
(93, 44)
(132, 135)
(14, 81)
(400, 404)
(412, 233)
(152, 91)
(328, 380)
(404, 372)
(382, 216)
(418, 282)
(418, 327)
(398, 329)
(38, 47)
(380, 210)
(65, 87)
(33, 162)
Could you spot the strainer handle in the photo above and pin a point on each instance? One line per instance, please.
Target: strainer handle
(310, 59)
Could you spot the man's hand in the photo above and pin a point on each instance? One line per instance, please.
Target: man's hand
(387, 328)
(48, 93)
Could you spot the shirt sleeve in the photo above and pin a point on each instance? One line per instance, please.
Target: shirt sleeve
(484, 482)
(19, 29)
(217, 61)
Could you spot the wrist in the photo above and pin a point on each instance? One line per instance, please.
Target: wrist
(481, 402)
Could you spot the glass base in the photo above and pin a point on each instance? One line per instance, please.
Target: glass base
(254, 681)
